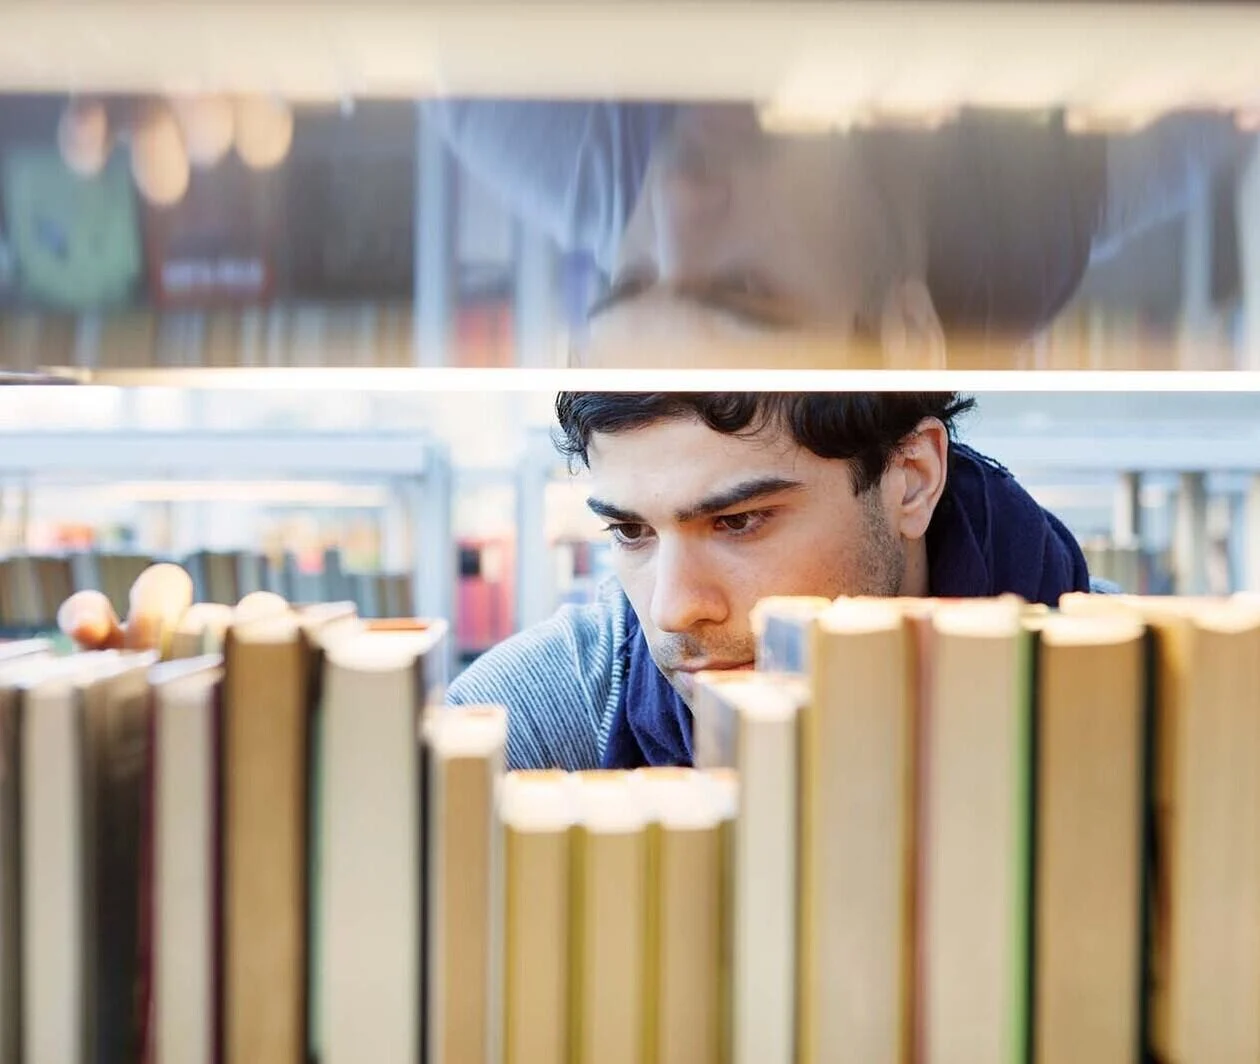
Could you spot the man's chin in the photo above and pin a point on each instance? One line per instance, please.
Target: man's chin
(685, 682)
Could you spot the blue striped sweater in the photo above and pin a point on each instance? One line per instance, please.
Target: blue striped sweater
(560, 681)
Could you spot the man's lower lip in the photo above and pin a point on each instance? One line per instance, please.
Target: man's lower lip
(717, 668)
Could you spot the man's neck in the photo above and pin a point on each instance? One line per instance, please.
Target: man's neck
(914, 581)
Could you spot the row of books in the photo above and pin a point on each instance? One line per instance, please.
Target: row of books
(356, 335)
(1002, 833)
(919, 830)
(381, 333)
(32, 587)
(288, 851)
(177, 835)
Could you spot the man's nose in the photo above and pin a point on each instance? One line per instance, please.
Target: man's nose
(686, 592)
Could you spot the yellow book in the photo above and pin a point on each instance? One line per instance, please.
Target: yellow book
(684, 962)
(856, 824)
(1090, 711)
(465, 869)
(610, 922)
(1204, 908)
(537, 811)
(748, 723)
(974, 834)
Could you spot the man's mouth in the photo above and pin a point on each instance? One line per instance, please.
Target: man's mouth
(712, 666)
(684, 676)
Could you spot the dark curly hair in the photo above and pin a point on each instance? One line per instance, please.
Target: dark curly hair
(863, 428)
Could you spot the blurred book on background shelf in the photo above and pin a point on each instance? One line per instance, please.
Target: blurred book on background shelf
(32, 588)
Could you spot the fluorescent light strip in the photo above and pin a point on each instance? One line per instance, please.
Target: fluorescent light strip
(271, 492)
(808, 56)
(802, 380)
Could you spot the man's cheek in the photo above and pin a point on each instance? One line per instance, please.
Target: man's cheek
(637, 581)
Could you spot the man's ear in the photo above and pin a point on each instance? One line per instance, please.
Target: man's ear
(910, 330)
(922, 465)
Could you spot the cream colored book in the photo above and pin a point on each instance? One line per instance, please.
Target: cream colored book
(610, 922)
(185, 823)
(537, 812)
(1090, 706)
(756, 717)
(54, 965)
(856, 815)
(72, 961)
(367, 841)
(1205, 932)
(974, 835)
(266, 711)
(685, 888)
(465, 884)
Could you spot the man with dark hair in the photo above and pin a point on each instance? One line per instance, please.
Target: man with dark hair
(724, 241)
(716, 236)
(716, 500)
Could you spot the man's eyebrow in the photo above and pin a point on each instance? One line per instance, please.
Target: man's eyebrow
(610, 512)
(744, 491)
(758, 312)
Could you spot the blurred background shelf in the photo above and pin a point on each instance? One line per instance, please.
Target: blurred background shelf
(369, 246)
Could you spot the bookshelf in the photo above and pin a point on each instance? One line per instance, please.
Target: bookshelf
(409, 471)
(477, 287)
(1171, 473)
(1166, 482)
(564, 553)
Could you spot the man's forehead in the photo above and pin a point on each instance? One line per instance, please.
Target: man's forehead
(667, 470)
(677, 443)
(660, 330)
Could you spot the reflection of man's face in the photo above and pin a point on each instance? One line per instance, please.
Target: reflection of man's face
(704, 524)
(737, 230)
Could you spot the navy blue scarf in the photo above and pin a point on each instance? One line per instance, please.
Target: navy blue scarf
(988, 537)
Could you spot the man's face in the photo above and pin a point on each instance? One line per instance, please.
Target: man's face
(705, 524)
(739, 231)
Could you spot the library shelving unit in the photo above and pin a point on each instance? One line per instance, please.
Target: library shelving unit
(407, 478)
(561, 549)
(467, 296)
(409, 472)
(1175, 473)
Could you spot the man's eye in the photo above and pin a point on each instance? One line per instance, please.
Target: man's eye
(628, 535)
(744, 523)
